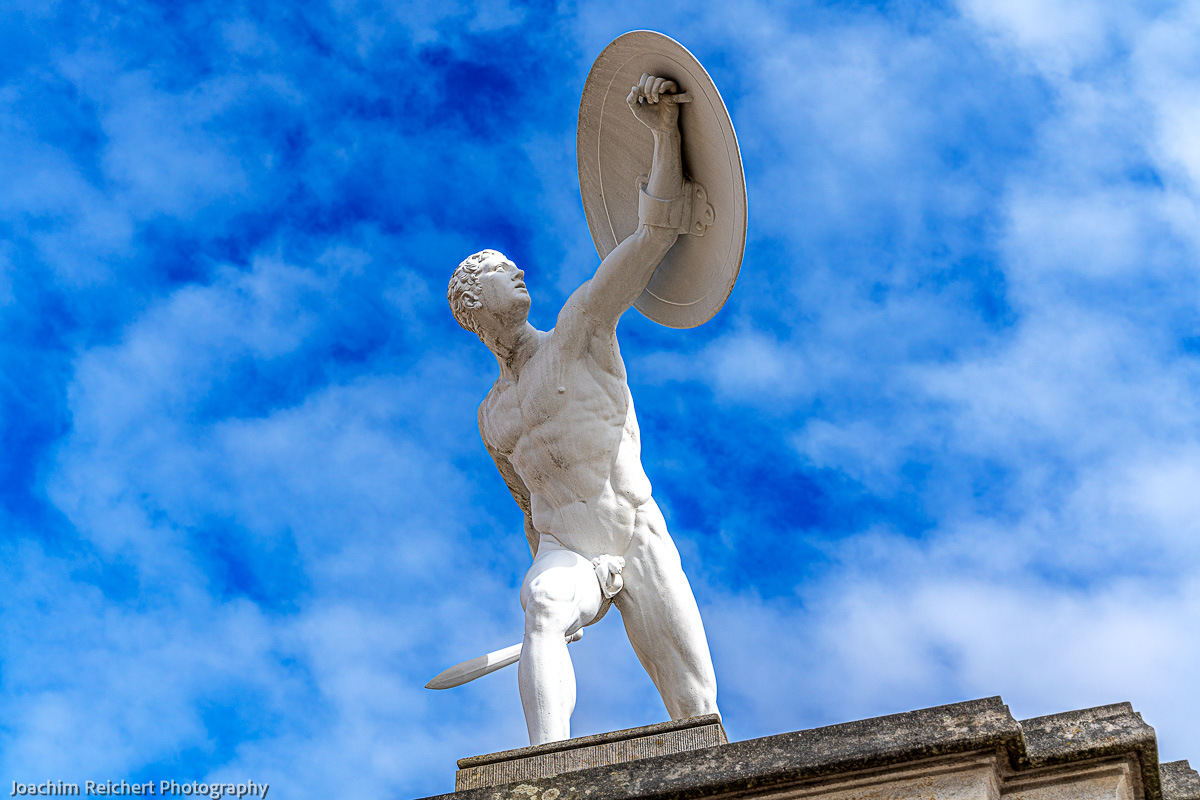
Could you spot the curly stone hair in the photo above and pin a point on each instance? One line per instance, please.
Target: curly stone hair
(463, 291)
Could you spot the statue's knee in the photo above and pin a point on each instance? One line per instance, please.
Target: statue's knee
(690, 693)
(706, 690)
(696, 700)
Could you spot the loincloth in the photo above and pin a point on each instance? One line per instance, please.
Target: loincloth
(607, 569)
(608, 573)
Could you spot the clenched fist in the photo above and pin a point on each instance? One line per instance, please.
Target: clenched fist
(651, 104)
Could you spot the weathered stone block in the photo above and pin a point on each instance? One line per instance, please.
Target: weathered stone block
(1180, 781)
(554, 758)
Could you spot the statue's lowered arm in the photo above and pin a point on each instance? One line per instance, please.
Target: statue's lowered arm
(520, 493)
(518, 490)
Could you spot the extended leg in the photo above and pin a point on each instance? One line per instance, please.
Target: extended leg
(560, 595)
(663, 622)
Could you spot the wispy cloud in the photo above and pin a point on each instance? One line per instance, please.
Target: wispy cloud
(941, 443)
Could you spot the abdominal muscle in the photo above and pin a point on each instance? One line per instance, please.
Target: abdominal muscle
(604, 524)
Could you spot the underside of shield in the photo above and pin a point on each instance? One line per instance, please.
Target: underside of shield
(614, 152)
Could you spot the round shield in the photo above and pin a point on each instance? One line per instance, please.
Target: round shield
(615, 151)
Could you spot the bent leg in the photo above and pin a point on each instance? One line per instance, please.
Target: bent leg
(560, 596)
(663, 622)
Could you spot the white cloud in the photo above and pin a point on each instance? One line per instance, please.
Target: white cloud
(1048, 446)
(917, 632)
(1059, 36)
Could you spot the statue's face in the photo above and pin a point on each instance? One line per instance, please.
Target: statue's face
(502, 291)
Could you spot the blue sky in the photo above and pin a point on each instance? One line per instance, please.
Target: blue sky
(942, 443)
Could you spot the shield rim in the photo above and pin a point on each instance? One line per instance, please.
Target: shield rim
(596, 213)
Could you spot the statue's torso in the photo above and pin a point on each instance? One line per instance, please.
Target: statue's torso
(567, 426)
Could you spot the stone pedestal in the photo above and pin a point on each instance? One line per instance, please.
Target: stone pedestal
(966, 751)
(572, 755)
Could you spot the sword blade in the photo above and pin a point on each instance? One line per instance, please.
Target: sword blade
(477, 667)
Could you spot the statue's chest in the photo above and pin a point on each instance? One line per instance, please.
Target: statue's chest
(514, 411)
(545, 387)
(553, 398)
(500, 419)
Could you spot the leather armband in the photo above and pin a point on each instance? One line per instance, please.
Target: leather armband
(690, 212)
(658, 213)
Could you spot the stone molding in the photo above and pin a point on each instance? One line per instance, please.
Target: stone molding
(974, 750)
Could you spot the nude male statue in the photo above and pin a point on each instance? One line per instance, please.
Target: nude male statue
(560, 424)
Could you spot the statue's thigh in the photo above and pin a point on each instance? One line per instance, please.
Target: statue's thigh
(664, 625)
(562, 584)
(657, 601)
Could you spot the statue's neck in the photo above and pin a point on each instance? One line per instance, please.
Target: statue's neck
(513, 350)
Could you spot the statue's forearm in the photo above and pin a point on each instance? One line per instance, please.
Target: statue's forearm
(666, 169)
(531, 536)
(625, 272)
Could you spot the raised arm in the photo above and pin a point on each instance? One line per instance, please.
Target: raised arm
(626, 271)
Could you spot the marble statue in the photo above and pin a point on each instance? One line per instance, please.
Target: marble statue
(559, 420)
(560, 425)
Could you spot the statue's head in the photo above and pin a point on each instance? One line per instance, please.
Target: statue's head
(487, 294)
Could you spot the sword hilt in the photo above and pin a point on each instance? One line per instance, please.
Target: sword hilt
(677, 98)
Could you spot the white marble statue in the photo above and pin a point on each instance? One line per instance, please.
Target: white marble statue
(560, 424)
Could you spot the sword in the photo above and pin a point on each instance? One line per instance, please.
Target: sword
(678, 97)
(477, 667)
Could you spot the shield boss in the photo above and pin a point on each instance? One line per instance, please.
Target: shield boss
(615, 150)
